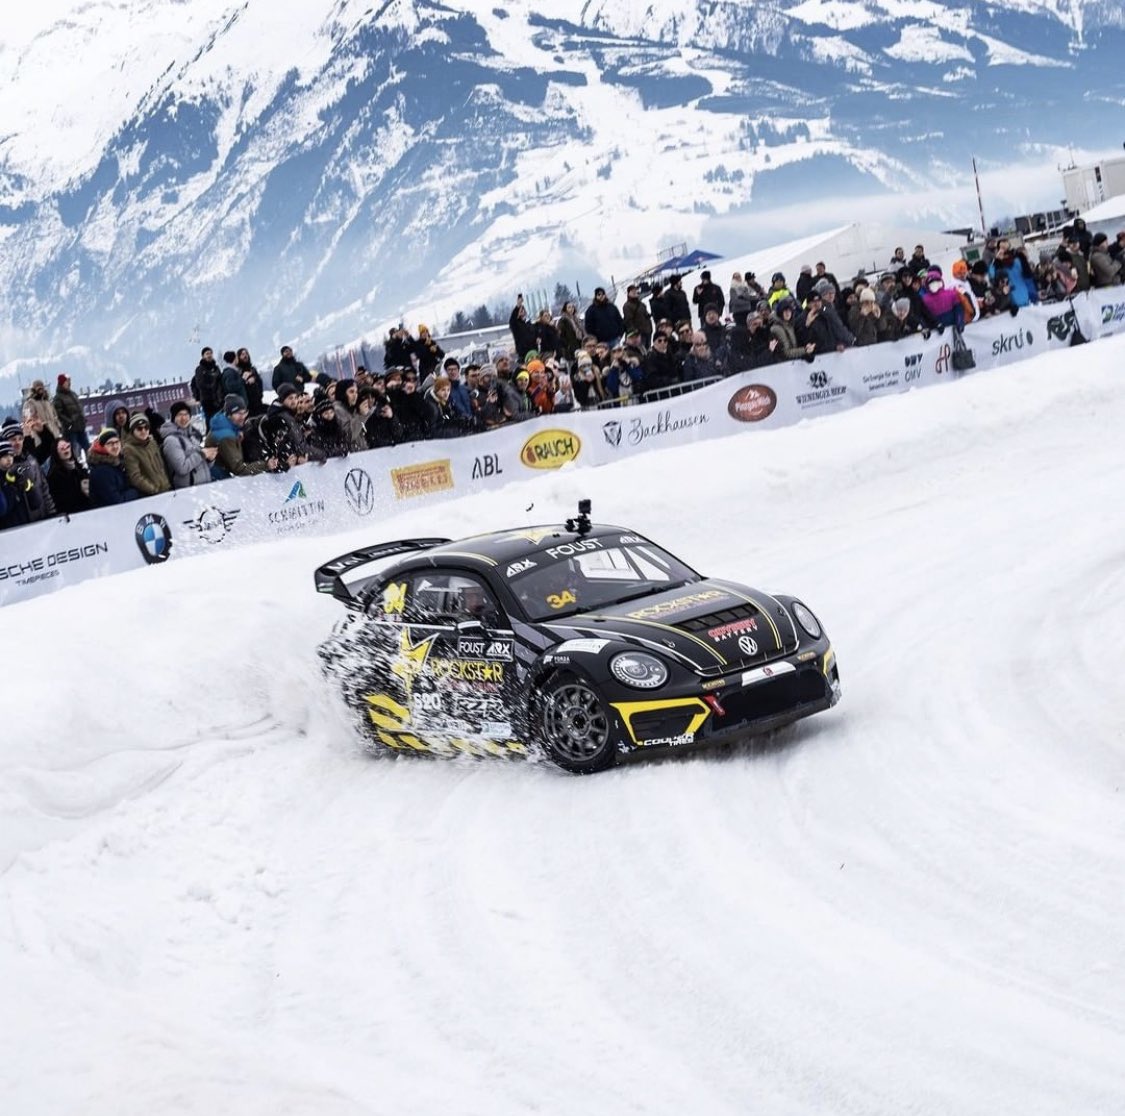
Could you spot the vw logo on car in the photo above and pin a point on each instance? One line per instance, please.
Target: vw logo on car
(747, 645)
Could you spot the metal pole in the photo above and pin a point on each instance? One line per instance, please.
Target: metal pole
(980, 202)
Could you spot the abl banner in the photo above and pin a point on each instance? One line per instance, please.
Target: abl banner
(364, 488)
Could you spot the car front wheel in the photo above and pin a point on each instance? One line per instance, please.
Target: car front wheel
(576, 727)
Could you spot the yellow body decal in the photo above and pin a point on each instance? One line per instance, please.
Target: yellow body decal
(388, 703)
(394, 598)
(411, 659)
(629, 709)
(381, 720)
(827, 661)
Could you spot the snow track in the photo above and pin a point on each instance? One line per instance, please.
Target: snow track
(212, 900)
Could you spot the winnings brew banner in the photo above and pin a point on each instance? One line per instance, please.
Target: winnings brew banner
(365, 488)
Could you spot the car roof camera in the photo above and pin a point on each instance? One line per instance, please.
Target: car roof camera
(581, 524)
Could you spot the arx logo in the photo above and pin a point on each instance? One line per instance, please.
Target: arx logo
(520, 567)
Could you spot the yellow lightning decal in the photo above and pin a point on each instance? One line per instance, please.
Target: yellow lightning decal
(411, 660)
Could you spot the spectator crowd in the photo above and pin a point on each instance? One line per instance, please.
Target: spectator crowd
(605, 356)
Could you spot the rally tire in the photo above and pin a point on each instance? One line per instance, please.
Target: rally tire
(576, 726)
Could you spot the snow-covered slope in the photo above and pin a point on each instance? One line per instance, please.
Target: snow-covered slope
(212, 900)
(271, 171)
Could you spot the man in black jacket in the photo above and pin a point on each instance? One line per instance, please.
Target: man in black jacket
(288, 370)
(676, 298)
(69, 409)
(523, 331)
(207, 384)
(813, 327)
(707, 294)
(603, 319)
(283, 435)
(658, 303)
(660, 366)
(398, 349)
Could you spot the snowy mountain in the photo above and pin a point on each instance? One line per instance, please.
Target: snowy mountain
(306, 171)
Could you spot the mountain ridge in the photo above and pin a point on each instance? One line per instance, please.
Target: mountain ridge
(305, 172)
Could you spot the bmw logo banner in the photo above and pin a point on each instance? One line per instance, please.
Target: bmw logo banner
(154, 537)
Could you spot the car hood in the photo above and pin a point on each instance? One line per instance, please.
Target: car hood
(712, 626)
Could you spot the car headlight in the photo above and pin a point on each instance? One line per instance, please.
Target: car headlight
(635, 668)
(806, 619)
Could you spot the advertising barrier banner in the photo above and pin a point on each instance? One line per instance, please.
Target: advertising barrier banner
(365, 487)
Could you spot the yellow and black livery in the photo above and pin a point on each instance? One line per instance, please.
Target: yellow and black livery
(581, 642)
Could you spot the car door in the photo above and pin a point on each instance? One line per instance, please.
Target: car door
(452, 655)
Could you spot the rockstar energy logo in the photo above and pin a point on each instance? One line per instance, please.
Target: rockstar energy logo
(420, 480)
(550, 449)
(678, 604)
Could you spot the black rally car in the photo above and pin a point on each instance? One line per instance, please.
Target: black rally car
(581, 641)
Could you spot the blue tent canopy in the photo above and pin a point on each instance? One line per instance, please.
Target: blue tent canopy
(688, 262)
(693, 259)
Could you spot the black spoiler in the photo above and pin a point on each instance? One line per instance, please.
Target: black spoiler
(329, 577)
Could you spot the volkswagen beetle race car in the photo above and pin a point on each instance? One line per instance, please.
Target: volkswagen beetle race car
(581, 642)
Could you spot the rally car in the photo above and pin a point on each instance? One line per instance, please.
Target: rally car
(580, 642)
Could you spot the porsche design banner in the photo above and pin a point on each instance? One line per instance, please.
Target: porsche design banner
(365, 488)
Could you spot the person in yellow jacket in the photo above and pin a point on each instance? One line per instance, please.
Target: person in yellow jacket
(778, 290)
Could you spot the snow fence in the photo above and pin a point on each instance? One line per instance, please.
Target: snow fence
(363, 488)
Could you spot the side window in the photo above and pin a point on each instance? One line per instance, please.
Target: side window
(445, 598)
(389, 602)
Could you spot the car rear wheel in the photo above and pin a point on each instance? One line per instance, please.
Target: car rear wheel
(576, 726)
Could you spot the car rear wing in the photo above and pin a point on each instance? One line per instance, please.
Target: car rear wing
(329, 578)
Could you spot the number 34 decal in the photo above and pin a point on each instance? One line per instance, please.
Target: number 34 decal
(561, 600)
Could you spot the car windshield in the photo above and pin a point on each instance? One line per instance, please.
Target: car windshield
(589, 574)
